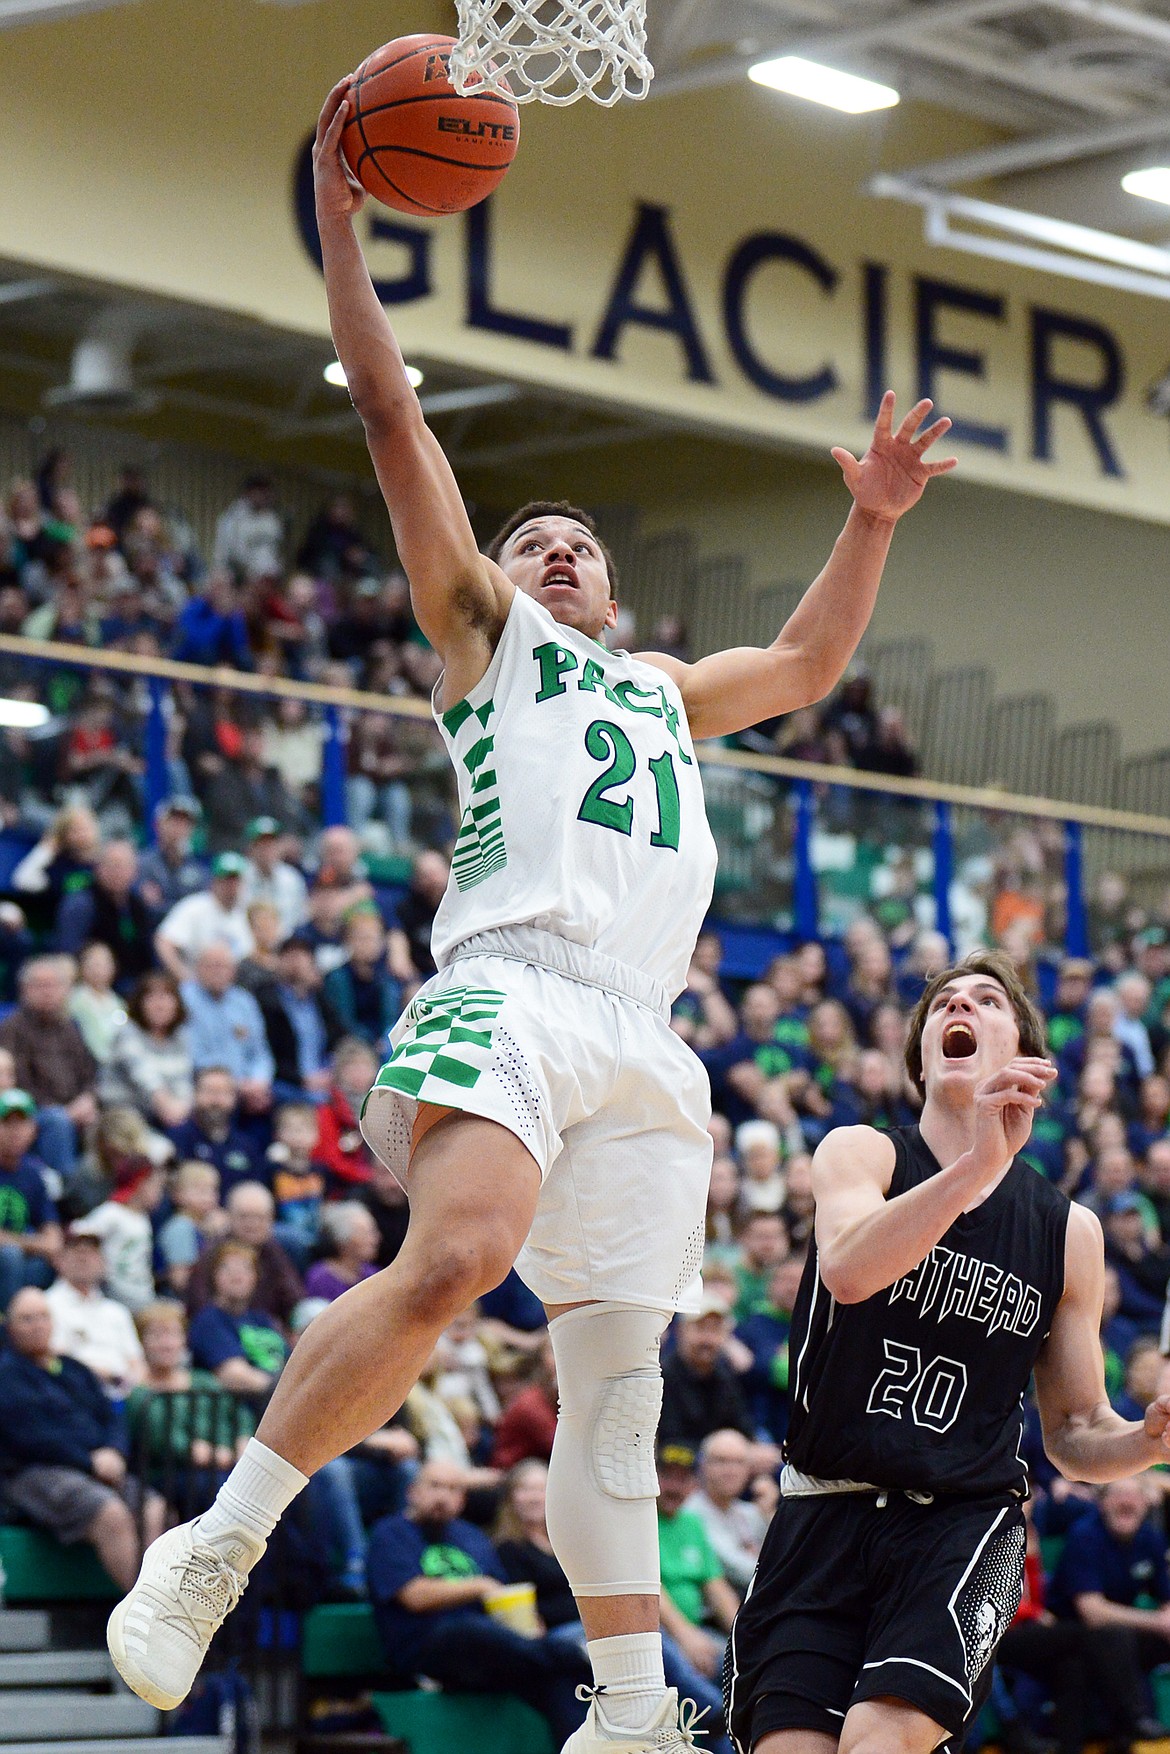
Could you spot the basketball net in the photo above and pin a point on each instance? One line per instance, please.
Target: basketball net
(552, 51)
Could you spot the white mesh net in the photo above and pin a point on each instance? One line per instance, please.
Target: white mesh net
(553, 51)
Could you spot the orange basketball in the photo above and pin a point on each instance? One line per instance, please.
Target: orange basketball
(413, 142)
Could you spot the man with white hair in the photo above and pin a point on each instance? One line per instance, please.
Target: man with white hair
(1133, 1001)
(52, 1062)
(735, 1525)
(757, 1145)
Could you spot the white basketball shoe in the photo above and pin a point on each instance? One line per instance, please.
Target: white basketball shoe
(158, 1635)
(670, 1731)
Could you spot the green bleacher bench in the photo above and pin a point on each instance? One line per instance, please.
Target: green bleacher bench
(340, 1639)
(37, 1568)
(464, 1723)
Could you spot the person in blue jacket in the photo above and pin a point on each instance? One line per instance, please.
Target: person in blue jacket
(61, 1459)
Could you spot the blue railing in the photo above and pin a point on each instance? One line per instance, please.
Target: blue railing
(802, 847)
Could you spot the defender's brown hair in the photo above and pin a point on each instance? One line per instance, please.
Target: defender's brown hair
(552, 508)
(997, 966)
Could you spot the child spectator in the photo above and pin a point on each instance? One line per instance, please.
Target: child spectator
(198, 1220)
(340, 1146)
(298, 1183)
(122, 1223)
(93, 1004)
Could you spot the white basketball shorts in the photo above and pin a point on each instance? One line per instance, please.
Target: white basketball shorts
(572, 1052)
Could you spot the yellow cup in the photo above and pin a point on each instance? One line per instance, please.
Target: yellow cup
(514, 1605)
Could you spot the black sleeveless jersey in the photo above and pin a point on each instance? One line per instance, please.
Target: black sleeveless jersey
(921, 1386)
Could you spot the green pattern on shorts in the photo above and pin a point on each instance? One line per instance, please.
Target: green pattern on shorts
(479, 847)
(448, 1041)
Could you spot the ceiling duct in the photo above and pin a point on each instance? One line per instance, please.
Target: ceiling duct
(101, 379)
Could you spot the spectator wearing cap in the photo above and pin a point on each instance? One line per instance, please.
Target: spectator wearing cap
(302, 1024)
(51, 1060)
(1142, 1262)
(89, 1326)
(169, 871)
(123, 1227)
(30, 1236)
(701, 1392)
(150, 1066)
(695, 1591)
(113, 912)
(362, 991)
(227, 1028)
(269, 877)
(59, 1457)
(210, 1135)
(214, 915)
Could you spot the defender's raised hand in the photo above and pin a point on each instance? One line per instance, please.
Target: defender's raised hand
(338, 193)
(890, 477)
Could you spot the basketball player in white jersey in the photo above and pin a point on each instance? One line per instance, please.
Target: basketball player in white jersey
(536, 1102)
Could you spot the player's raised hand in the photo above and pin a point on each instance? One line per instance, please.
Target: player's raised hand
(889, 479)
(1005, 1106)
(338, 193)
(1157, 1422)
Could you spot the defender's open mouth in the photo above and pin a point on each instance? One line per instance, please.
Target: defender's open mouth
(958, 1041)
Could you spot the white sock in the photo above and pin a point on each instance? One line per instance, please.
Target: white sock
(250, 1503)
(629, 1667)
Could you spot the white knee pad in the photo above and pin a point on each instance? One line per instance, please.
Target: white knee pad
(602, 1482)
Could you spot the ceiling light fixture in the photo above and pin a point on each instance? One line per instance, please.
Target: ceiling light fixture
(335, 374)
(823, 85)
(1153, 184)
(22, 715)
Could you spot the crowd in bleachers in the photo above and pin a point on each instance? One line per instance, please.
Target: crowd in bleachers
(191, 1020)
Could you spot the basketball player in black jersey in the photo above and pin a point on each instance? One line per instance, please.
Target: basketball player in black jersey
(944, 1272)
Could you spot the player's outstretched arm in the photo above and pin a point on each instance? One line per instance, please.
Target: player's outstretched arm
(731, 690)
(1083, 1436)
(459, 597)
(866, 1241)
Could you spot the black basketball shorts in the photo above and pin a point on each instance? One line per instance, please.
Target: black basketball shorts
(854, 1599)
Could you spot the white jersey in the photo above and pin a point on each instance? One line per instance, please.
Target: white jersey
(582, 806)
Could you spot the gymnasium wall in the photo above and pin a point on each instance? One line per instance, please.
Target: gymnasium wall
(1051, 598)
(708, 261)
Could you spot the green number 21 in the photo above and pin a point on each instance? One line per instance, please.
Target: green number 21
(608, 742)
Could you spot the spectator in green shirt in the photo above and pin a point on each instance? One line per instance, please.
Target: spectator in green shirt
(694, 1588)
(763, 1244)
